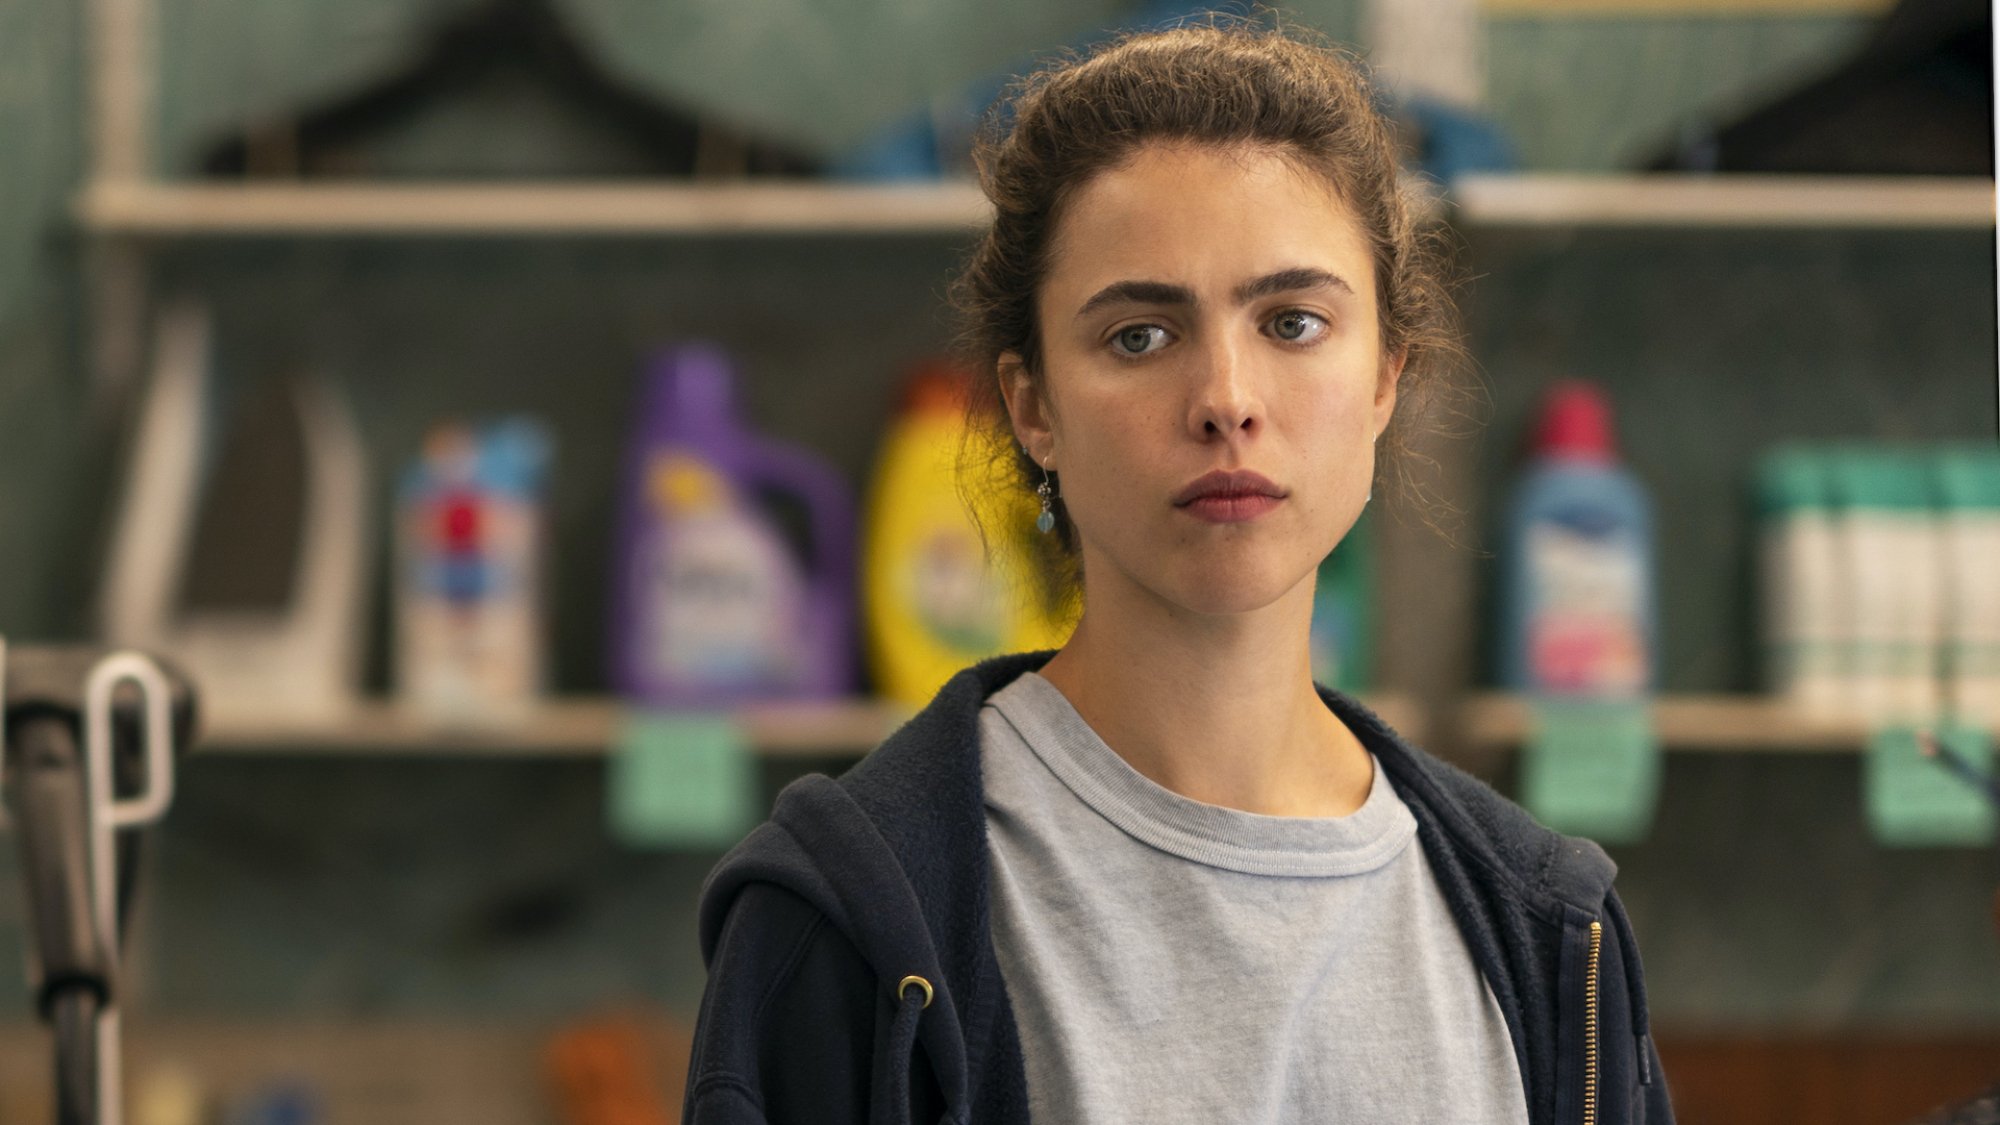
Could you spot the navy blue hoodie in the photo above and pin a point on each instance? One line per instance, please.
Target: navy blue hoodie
(852, 977)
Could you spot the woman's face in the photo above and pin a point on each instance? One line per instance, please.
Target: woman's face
(1207, 309)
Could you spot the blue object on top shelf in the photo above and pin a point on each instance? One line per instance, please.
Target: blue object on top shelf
(1453, 142)
(928, 145)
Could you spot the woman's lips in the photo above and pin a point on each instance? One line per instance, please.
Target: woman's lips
(1231, 507)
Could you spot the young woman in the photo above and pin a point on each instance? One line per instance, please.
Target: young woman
(1159, 875)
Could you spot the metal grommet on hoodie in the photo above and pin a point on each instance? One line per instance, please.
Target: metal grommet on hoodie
(903, 986)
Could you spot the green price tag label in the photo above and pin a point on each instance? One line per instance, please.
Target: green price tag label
(680, 780)
(1917, 801)
(1592, 768)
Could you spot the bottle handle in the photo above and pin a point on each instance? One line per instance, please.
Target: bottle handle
(796, 471)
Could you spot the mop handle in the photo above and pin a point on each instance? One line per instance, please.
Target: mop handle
(106, 814)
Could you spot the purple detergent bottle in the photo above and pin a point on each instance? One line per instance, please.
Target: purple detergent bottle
(711, 605)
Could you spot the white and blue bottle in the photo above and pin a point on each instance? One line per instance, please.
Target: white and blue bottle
(1577, 601)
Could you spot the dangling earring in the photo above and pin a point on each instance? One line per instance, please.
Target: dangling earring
(1045, 522)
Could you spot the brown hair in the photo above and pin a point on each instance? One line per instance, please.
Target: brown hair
(1226, 83)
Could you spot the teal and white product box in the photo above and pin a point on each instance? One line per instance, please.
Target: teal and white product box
(1888, 533)
(470, 530)
(1881, 604)
(1968, 494)
(1806, 620)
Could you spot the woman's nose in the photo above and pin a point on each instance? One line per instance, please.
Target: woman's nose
(1223, 400)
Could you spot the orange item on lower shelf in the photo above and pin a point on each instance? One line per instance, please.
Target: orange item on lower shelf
(606, 1072)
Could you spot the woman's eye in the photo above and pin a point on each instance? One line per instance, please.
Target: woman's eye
(1297, 326)
(1139, 339)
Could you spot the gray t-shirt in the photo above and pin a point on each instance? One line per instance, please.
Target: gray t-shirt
(1174, 962)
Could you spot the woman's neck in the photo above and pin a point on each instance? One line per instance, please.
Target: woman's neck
(1221, 710)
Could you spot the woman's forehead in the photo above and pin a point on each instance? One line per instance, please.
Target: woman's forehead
(1205, 218)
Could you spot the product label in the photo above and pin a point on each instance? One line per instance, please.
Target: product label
(720, 611)
(1592, 768)
(1914, 799)
(1897, 626)
(1972, 562)
(1587, 597)
(679, 781)
(470, 630)
(1972, 615)
(1808, 618)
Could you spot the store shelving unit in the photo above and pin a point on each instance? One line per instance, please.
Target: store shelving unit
(125, 208)
(124, 212)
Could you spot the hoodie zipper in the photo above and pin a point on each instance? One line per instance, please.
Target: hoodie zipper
(1590, 1025)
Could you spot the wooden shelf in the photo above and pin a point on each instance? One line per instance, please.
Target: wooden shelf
(777, 208)
(565, 727)
(1735, 200)
(586, 726)
(514, 209)
(1687, 722)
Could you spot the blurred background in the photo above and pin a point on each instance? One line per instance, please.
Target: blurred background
(521, 419)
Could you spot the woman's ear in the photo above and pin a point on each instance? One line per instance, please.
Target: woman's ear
(1386, 382)
(1025, 407)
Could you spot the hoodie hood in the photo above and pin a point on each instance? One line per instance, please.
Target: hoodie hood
(858, 848)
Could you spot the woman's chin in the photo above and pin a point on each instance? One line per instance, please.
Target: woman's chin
(1233, 587)
(1207, 579)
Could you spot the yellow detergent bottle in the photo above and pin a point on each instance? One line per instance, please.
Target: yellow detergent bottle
(933, 603)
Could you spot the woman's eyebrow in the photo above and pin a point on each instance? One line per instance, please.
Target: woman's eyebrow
(1137, 293)
(1290, 280)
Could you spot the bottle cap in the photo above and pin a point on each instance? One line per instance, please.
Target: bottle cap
(690, 389)
(936, 385)
(1575, 423)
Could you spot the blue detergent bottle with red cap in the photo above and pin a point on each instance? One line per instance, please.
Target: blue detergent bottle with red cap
(1576, 594)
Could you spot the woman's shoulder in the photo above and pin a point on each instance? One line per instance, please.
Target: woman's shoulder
(922, 785)
(906, 820)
